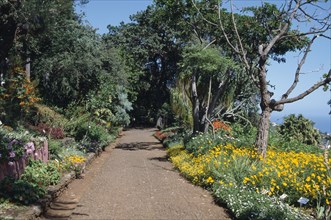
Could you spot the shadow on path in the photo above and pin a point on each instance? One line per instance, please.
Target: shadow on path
(133, 146)
(161, 159)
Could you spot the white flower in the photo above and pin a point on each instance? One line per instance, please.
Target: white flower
(282, 197)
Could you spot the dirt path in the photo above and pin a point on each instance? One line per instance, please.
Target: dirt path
(135, 181)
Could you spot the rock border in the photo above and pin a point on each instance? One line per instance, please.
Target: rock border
(34, 211)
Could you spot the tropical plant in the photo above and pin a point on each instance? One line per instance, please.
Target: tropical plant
(213, 84)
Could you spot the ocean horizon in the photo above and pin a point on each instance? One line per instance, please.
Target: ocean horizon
(322, 123)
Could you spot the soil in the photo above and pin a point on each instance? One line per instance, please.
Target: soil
(133, 179)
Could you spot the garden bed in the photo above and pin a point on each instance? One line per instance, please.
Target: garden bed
(16, 168)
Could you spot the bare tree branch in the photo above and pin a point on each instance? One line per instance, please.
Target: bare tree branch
(223, 30)
(325, 36)
(243, 52)
(203, 17)
(313, 16)
(316, 32)
(297, 72)
(327, 80)
(283, 30)
(213, 41)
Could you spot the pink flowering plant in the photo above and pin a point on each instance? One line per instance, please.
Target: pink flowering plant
(15, 145)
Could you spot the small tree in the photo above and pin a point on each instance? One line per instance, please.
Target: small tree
(300, 129)
(255, 40)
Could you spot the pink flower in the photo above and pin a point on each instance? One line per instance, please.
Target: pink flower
(29, 147)
(10, 163)
(12, 154)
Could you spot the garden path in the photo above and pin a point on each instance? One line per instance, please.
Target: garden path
(135, 180)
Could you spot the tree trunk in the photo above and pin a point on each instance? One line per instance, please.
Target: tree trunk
(205, 121)
(195, 105)
(261, 142)
(27, 68)
(213, 102)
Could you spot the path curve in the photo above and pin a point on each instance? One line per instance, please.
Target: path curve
(136, 181)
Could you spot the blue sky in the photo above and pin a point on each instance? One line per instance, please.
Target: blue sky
(100, 13)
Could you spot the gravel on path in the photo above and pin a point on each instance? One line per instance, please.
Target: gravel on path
(136, 181)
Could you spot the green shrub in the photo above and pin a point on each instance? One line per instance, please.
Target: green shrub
(299, 128)
(26, 192)
(46, 115)
(245, 135)
(76, 120)
(41, 173)
(32, 185)
(91, 132)
(203, 142)
(177, 138)
(55, 148)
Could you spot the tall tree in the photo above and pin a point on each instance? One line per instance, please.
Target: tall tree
(10, 28)
(151, 52)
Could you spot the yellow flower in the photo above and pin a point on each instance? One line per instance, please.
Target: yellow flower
(210, 180)
(246, 179)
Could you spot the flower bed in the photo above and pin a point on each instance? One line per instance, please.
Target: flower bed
(237, 174)
(15, 167)
(17, 148)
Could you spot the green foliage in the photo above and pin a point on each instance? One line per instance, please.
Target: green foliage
(91, 132)
(41, 173)
(211, 69)
(265, 18)
(205, 61)
(45, 114)
(18, 97)
(54, 148)
(122, 108)
(245, 135)
(21, 191)
(181, 107)
(66, 57)
(203, 142)
(84, 128)
(151, 55)
(299, 129)
(248, 204)
(32, 185)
